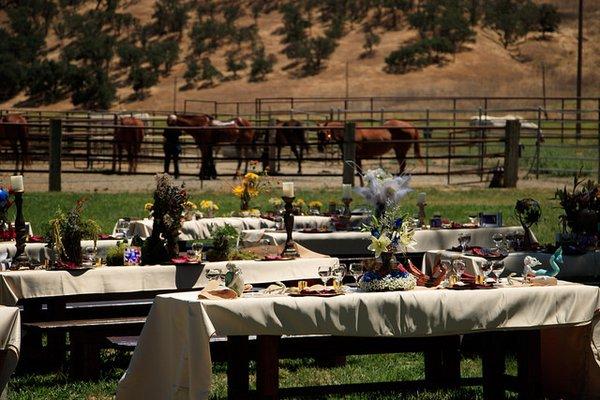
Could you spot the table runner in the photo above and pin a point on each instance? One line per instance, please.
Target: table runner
(10, 342)
(355, 243)
(586, 266)
(19, 285)
(172, 358)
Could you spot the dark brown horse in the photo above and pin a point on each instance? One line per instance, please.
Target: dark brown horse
(129, 137)
(220, 132)
(14, 132)
(294, 137)
(371, 142)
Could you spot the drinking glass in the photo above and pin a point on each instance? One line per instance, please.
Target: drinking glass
(463, 241)
(197, 251)
(498, 269)
(498, 238)
(90, 256)
(356, 269)
(459, 267)
(486, 268)
(123, 227)
(325, 274)
(214, 274)
(339, 271)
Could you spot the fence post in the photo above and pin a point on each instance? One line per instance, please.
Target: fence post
(55, 155)
(349, 150)
(562, 120)
(512, 135)
(271, 151)
(538, 143)
(427, 137)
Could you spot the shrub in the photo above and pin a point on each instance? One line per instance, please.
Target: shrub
(91, 87)
(261, 65)
(549, 18)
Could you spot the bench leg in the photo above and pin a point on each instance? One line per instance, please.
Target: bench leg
(85, 357)
(529, 365)
(493, 366)
(56, 346)
(433, 367)
(237, 367)
(451, 361)
(267, 367)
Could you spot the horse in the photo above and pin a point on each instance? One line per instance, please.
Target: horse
(371, 142)
(206, 139)
(129, 137)
(293, 137)
(14, 132)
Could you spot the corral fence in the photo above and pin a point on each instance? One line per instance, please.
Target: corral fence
(458, 140)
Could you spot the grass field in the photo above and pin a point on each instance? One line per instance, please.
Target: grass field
(455, 204)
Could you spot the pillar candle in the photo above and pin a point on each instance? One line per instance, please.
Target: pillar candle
(346, 191)
(16, 181)
(288, 189)
(421, 198)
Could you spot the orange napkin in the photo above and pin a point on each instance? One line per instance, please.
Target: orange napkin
(213, 291)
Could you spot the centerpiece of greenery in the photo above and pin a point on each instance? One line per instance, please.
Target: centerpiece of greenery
(224, 245)
(528, 212)
(168, 210)
(66, 232)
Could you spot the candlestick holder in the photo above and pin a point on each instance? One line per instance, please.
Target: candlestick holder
(346, 214)
(422, 217)
(289, 249)
(20, 260)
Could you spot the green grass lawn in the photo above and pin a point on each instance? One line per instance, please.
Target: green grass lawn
(455, 204)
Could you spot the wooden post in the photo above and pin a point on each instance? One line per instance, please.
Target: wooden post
(267, 367)
(349, 152)
(55, 155)
(512, 135)
(270, 163)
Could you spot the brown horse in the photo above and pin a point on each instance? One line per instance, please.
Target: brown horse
(371, 142)
(129, 137)
(14, 132)
(293, 137)
(220, 132)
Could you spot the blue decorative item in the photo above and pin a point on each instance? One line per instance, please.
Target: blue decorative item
(556, 258)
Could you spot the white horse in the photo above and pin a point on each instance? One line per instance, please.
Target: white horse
(500, 122)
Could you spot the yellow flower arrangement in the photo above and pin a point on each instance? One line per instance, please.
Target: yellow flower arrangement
(299, 202)
(148, 206)
(188, 205)
(248, 188)
(209, 205)
(315, 204)
(275, 201)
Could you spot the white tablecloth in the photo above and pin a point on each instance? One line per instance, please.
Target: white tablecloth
(172, 359)
(355, 243)
(35, 251)
(586, 266)
(10, 342)
(18, 285)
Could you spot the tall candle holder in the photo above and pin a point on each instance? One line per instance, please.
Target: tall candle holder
(346, 213)
(20, 260)
(289, 249)
(422, 216)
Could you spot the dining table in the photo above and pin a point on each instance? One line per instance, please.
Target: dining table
(10, 344)
(172, 359)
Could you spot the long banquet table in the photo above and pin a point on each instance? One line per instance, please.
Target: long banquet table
(172, 359)
(36, 250)
(10, 343)
(355, 243)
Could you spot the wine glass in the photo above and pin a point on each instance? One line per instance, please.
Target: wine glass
(459, 267)
(356, 269)
(486, 268)
(324, 273)
(463, 241)
(89, 258)
(497, 269)
(498, 238)
(197, 251)
(339, 271)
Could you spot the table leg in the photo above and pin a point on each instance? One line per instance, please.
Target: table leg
(493, 366)
(451, 361)
(237, 367)
(433, 366)
(529, 365)
(31, 345)
(267, 367)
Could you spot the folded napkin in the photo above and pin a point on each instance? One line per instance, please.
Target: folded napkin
(275, 288)
(213, 291)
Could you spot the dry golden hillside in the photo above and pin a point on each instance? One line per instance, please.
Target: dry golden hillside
(482, 68)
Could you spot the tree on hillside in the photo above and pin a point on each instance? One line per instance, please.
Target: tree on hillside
(170, 16)
(191, 72)
(207, 35)
(129, 54)
(46, 81)
(317, 50)
(141, 79)
(232, 12)
(91, 87)
(371, 39)
(393, 10)
(294, 30)
(262, 64)
(549, 19)
(209, 72)
(162, 53)
(511, 19)
(206, 9)
(234, 63)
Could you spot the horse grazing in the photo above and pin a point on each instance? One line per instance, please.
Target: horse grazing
(293, 137)
(14, 132)
(220, 132)
(129, 137)
(371, 142)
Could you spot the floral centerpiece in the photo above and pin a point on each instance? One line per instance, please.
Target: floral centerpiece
(209, 207)
(298, 205)
(66, 232)
(6, 230)
(528, 212)
(250, 187)
(314, 207)
(382, 188)
(168, 211)
(581, 217)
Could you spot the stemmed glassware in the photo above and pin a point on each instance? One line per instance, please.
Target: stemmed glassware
(486, 268)
(356, 269)
(497, 269)
(498, 238)
(463, 240)
(213, 274)
(459, 267)
(123, 228)
(338, 272)
(195, 253)
(325, 273)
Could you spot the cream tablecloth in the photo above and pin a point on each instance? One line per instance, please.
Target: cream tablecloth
(586, 266)
(172, 359)
(355, 243)
(18, 285)
(35, 251)
(10, 343)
